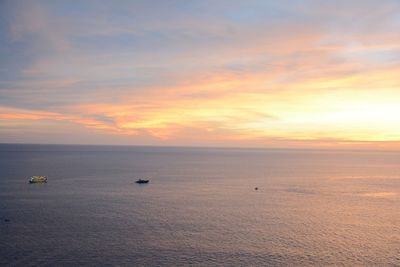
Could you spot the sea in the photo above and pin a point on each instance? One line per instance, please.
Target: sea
(202, 207)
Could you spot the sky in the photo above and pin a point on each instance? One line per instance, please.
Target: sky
(254, 73)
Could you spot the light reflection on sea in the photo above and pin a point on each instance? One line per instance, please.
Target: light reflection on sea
(200, 208)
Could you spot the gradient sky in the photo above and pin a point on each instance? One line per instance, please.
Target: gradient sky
(201, 73)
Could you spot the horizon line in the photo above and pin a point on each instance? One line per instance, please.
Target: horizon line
(214, 147)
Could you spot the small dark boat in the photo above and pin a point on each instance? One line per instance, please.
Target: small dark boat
(141, 181)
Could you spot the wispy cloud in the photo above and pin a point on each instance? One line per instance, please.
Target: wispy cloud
(298, 73)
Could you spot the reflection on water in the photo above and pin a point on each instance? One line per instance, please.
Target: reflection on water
(380, 194)
(200, 207)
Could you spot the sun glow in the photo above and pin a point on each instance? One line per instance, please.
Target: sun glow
(282, 83)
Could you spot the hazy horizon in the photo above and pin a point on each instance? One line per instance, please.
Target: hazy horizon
(319, 149)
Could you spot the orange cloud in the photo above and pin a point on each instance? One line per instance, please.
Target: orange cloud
(273, 84)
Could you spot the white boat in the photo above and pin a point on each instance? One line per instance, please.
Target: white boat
(38, 179)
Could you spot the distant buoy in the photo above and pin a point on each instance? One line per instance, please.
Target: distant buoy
(256, 188)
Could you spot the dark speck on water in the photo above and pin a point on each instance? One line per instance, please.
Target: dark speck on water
(316, 208)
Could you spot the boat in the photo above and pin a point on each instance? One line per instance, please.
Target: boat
(141, 181)
(38, 179)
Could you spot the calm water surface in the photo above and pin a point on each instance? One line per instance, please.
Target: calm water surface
(200, 208)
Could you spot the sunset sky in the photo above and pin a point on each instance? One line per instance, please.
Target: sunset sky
(201, 73)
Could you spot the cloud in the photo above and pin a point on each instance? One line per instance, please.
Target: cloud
(260, 72)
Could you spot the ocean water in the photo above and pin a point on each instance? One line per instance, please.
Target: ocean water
(312, 208)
